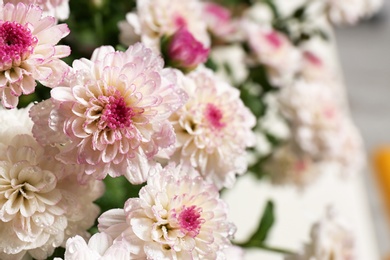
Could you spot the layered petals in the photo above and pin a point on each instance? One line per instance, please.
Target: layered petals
(114, 113)
(41, 201)
(177, 216)
(29, 51)
(213, 128)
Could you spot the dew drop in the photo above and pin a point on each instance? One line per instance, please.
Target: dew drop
(72, 248)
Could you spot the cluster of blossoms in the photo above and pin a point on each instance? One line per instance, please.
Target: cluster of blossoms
(157, 114)
(41, 202)
(116, 114)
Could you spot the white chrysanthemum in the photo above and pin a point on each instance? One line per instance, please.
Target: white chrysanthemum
(14, 121)
(350, 11)
(275, 51)
(259, 12)
(41, 202)
(315, 117)
(29, 52)
(331, 238)
(351, 153)
(231, 64)
(213, 128)
(114, 112)
(156, 18)
(57, 8)
(177, 216)
(288, 166)
(100, 247)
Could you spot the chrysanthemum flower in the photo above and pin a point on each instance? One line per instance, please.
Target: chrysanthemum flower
(157, 18)
(219, 21)
(350, 154)
(114, 113)
(274, 50)
(100, 247)
(320, 126)
(315, 117)
(177, 216)
(351, 11)
(213, 128)
(288, 166)
(56, 8)
(331, 238)
(41, 201)
(28, 51)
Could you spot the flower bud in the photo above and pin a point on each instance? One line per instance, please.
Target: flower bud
(183, 51)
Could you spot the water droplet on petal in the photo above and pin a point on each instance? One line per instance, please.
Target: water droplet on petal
(72, 249)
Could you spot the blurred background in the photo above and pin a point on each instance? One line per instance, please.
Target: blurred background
(364, 52)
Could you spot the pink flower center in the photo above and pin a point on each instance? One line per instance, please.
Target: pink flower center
(16, 44)
(214, 116)
(179, 21)
(329, 112)
(116, 114)
(190, 220)
(300, 166)
(313, 59)
(274, 39)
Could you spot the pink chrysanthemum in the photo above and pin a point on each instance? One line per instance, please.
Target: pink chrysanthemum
(154, 19)
(114, 112)
(57, 8)
(315, 117)
(219, 21)
(28, 51)
(288, 166)
(213, 128)
(275, 51)
(178, 216)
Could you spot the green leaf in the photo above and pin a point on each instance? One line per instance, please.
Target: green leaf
(258, 238)
(118, 190)
(266, 223)
(211, 64)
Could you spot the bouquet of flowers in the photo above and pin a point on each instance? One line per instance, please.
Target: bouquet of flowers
(124, 121)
